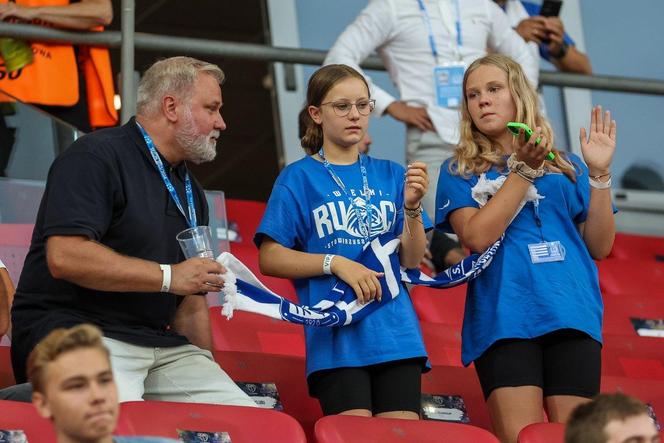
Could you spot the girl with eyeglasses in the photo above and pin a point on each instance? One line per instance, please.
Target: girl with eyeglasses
(323, 209)
(533, 319)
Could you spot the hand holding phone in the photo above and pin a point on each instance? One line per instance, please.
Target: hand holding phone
(515, 127)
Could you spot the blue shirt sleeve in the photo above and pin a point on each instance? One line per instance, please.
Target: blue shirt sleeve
(283, 220)
(453, 192)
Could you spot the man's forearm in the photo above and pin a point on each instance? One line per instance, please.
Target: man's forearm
(95, 266)
(79, 16)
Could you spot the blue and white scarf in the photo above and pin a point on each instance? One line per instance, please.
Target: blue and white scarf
(243, 291)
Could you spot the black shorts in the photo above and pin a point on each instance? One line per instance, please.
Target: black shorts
(563, 362)
(384, 387)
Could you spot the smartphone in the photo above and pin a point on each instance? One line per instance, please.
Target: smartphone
(514, 128)
(551, 8)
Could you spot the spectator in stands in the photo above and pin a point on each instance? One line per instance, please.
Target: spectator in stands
(322, 210)
(82, 97)
(6, 298)
(546, 36)
(104, 249)
(74, 387)
(611, 418)
(533, 319)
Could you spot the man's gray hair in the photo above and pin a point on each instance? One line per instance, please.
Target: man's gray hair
(172, 76)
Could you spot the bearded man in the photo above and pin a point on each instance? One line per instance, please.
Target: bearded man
(104, 249)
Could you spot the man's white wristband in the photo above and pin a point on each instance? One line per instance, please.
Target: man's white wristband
(327, 264)
(2, 265)
(165, 278)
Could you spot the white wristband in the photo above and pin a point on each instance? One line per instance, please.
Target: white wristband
(600, 185)
(2, 265)
(327, 264)
(166, 278)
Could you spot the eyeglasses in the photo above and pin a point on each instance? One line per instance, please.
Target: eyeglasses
(342, 109)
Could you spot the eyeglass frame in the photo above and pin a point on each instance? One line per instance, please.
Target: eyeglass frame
(372, 107)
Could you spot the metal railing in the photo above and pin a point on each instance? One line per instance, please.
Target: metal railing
(129, 40)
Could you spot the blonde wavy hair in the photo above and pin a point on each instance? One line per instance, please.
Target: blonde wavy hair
(476, 153)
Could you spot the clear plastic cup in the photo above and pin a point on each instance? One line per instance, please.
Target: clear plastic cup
(196, 242)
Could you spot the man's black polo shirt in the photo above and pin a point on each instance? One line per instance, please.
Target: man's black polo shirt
(105, 187)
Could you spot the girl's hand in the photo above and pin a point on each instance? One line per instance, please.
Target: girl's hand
(529, 153)
(417, 184)
(363, 280)
(600, 145)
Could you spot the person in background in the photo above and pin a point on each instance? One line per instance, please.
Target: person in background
(6, 299)
(533, 319)
(74, 387)
(545, 36)
(611, 418)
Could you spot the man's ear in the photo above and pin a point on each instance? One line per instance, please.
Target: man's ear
(314, 113)
(169, 106)
(40, 403)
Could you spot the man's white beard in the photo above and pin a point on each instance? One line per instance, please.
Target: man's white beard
(198, 148)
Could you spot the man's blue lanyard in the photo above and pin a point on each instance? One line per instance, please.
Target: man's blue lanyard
(191, 220)
(363, 223)
(432, 41)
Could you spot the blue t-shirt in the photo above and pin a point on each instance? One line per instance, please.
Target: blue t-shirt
(514, 298)
(307, 211)
(534, 9)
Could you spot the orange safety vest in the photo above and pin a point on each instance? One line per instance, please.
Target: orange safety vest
(52, 77)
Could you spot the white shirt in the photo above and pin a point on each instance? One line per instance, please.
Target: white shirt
(397, 31)
(516, 12)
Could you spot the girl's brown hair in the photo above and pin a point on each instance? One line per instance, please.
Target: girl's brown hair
(320, 84)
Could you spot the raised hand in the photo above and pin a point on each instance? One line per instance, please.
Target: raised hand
(363, 280)
(417, 184)
(599, 145)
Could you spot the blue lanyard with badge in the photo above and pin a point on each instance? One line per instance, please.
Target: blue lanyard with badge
(544, 251)
(447, 77)
(363, 215)
(191, 209)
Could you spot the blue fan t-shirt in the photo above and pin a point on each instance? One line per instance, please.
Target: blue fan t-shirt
(307, 211)
(514, 298)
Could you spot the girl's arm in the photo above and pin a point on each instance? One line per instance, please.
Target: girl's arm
(480, 228)
(279, 261)
(413, 239)
(598, 148)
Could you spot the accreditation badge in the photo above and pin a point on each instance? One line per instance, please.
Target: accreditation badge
(448, 82)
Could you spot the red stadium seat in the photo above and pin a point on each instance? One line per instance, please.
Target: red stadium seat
(643, 280)
(349, 429)
(637, 247)
(448, 380)
(287, 372)
(443, 343)
(249, 332)
(6, 371)
(439, 305)
(23, 416)
(247, 214)
(542, 433)
(163, 419)
(618, 309)
(640, 358)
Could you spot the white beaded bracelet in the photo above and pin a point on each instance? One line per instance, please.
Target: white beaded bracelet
(600, 185)
(327, 264)
(166, 278)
